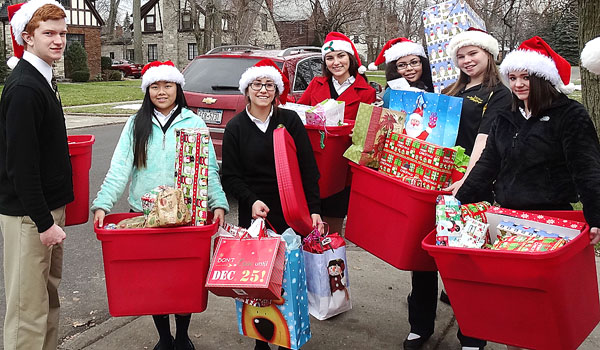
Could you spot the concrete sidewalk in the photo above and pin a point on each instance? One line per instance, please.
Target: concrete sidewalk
(378, 319)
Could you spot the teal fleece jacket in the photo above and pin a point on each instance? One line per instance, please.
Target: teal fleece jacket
(159, 169)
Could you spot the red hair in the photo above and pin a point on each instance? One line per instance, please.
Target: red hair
(44, 13)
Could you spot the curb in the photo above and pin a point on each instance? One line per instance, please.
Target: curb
(93, 334)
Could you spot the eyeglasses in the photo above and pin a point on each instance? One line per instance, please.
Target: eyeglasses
(414, 63)
(256, 86)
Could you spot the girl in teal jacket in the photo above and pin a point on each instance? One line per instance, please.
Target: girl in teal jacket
(146, 154)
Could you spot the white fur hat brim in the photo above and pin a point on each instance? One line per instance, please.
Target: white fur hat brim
(403, 49)
(254, 73)
(590, 56)
(473, 38)
(336, 45)
(536, 64)
(24, 14)
(162, 73)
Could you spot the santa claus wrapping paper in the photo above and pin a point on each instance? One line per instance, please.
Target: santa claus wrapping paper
(429, 117)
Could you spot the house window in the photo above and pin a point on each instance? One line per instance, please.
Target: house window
(269, 46)
(152, 52)
(300, 28)
(129, 55)
(150, 23)
(225, 22)
(356, 39)
(263, 22)
(71, 38)
(192, 51)
(186, 20)
(111, 55)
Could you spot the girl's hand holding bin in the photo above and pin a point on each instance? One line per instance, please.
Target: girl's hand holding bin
(99, 215)
(219, 216)
(594, 235)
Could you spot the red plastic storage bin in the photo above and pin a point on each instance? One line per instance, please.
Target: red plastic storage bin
(80, 149)
(332, 165)
(390, 218)
(155, 270)
(532, 300)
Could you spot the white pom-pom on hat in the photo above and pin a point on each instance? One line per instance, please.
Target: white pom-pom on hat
(590, 56)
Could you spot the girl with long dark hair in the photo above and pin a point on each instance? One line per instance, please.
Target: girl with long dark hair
(146, 154)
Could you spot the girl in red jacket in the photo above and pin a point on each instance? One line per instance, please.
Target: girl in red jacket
(342, 80)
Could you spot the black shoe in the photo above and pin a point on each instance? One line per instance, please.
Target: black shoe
(444, 297)
(168, 346)
(187, 345)
(415, 344)
(261, 345)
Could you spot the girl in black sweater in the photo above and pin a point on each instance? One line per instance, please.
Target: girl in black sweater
(248, 157)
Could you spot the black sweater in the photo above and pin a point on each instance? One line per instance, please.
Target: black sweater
(35, 168)
(249, 165)
(543, 163)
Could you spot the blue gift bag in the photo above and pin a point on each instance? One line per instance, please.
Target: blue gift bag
(286, 321)
(429, 117)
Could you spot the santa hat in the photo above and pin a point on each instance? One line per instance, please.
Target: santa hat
(335, 41)
(161, 71)
(473, 37)
(395, 49)
(266, 69)
(19, 16)
(537, 57)
(590, 56)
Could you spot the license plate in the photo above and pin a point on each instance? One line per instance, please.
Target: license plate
(211, 116)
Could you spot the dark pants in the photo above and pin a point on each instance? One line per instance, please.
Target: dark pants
(422, 306)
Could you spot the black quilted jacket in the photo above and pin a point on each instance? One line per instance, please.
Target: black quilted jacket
(543, 163)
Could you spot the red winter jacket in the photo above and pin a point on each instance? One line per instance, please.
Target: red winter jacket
(360, 91)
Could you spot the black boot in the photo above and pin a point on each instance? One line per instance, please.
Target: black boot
(182, 340)
(166, 341)
(261, 345)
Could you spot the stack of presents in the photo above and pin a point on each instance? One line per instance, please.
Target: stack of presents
(401, 158)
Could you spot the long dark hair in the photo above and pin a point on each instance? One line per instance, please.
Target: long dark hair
(142, 125)
(424, 83)
(352, 68)
(541, 96)
(491, 78)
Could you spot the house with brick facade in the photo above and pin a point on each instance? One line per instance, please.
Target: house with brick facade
(168, 31)
(84, 26)
(296, 22)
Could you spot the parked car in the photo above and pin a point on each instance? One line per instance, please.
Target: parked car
(212, 80)
(128, 68)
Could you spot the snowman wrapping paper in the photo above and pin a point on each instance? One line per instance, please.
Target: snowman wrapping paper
(430, 117)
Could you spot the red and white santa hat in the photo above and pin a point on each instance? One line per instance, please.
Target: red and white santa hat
(537, 57)
(19, 15)
(161, 71)
(266, 68)
(395, 49)
(335, 41)
(473, 37)
(590, 56)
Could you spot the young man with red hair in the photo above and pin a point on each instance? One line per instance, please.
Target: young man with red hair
(35, 177)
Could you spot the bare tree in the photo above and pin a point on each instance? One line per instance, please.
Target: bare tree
(112, 17)
(589, 12)
(137, 32)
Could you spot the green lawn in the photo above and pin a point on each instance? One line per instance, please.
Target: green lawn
(74, 94)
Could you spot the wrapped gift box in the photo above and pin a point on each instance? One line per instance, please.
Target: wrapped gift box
(413, 160)
(329, 113)
(191, 170)
(371, 128)
(441, 22)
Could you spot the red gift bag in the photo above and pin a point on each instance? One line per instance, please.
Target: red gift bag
(247, 268)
